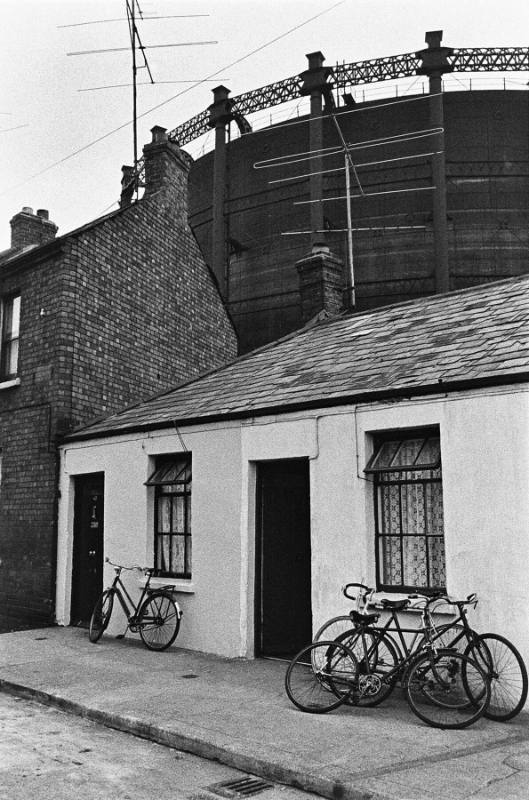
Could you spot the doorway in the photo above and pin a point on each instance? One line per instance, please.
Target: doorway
(87, 567)
(283, 610)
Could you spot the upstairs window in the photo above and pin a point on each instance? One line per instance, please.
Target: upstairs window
(410, 552)
(172, 516)
(10, 312)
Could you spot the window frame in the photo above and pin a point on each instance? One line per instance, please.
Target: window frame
(8, 336)
(159, 481)
(399, 475)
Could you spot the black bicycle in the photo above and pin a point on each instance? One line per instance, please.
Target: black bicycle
(362, 665)
(156, 616)
(496, 655)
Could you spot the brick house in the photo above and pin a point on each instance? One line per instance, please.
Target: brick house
(91, 321)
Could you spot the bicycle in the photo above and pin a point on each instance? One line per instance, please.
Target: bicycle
(444, 688)
(156, 616)
(498, 657)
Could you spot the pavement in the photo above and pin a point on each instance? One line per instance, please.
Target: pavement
(236, 711)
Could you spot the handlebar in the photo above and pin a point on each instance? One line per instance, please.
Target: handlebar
(363, 595)
(119, 567)
(365, 589)
(471, 600)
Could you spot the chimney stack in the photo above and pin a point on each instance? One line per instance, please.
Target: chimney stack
(128, 185)
(166, 167)
(321, 283)
(29, 229)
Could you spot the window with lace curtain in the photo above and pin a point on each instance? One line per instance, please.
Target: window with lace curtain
(172, 516)
(410, 552)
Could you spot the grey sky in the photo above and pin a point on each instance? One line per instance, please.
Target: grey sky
(44, 118)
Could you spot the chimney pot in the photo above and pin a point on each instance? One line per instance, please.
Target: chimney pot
(29, 229)
(159, 134)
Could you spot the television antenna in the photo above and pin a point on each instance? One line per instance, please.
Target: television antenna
(133, 13)
(351, 166)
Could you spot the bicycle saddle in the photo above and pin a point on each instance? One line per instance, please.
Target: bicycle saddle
(363, 619)
(396, 605)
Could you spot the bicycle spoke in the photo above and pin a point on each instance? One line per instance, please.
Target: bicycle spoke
(447, 689)
(158, 621)
(320, 677)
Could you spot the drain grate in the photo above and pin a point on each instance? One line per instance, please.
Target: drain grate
(243, 787)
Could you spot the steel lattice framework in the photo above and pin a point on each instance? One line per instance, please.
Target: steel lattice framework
(470, 59)
(490, 59)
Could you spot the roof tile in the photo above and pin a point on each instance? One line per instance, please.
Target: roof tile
(475, 333)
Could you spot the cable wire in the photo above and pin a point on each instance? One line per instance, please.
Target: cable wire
(175, 97)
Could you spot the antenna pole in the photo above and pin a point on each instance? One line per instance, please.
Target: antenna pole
(351, 281)
(131, 13)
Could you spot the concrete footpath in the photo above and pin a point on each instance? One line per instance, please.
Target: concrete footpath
(237, 712)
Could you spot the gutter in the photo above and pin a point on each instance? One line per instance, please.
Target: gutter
(440, 387)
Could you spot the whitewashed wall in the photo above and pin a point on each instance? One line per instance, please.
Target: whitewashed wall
(485, 455)
(211, 600)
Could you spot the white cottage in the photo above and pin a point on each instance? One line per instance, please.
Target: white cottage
(389, 446)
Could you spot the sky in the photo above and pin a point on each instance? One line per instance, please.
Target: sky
(62, 147)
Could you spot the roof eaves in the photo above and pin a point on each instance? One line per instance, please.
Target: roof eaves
(33, 255)
(440, 387)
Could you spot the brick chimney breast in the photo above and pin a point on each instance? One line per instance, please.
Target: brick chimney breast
(321, 283)
(29, 229)
(166, 167)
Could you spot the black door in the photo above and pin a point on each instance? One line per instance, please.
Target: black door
(283, 575)
(87, 571)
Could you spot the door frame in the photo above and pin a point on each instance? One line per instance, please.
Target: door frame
(81, 486)
(258, 550)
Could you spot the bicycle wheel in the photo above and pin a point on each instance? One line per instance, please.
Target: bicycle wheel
(101, 615)
(505, 668)
(321, 676)
(447, 689)
(333, 628)
(377, 665)
(158, 621)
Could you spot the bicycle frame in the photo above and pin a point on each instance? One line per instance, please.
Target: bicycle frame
(428, 633)
(130, 609)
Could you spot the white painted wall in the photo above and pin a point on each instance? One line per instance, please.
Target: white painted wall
(211, 600)
(485, 455)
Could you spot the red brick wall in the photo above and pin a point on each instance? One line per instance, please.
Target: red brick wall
(127, 309)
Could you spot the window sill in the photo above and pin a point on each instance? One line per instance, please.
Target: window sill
(177, 584)
(9, 384)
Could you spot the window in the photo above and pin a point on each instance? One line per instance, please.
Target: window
(172, 516)
(9, 337)
(406, 469)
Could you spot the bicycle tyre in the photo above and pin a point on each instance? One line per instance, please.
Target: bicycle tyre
(377, 658)
(158, 621)
(315, 673)
(505, 668)
(101, 616)
(447, 690)
(333, 628)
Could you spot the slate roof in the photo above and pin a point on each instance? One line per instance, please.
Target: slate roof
(463, 339)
